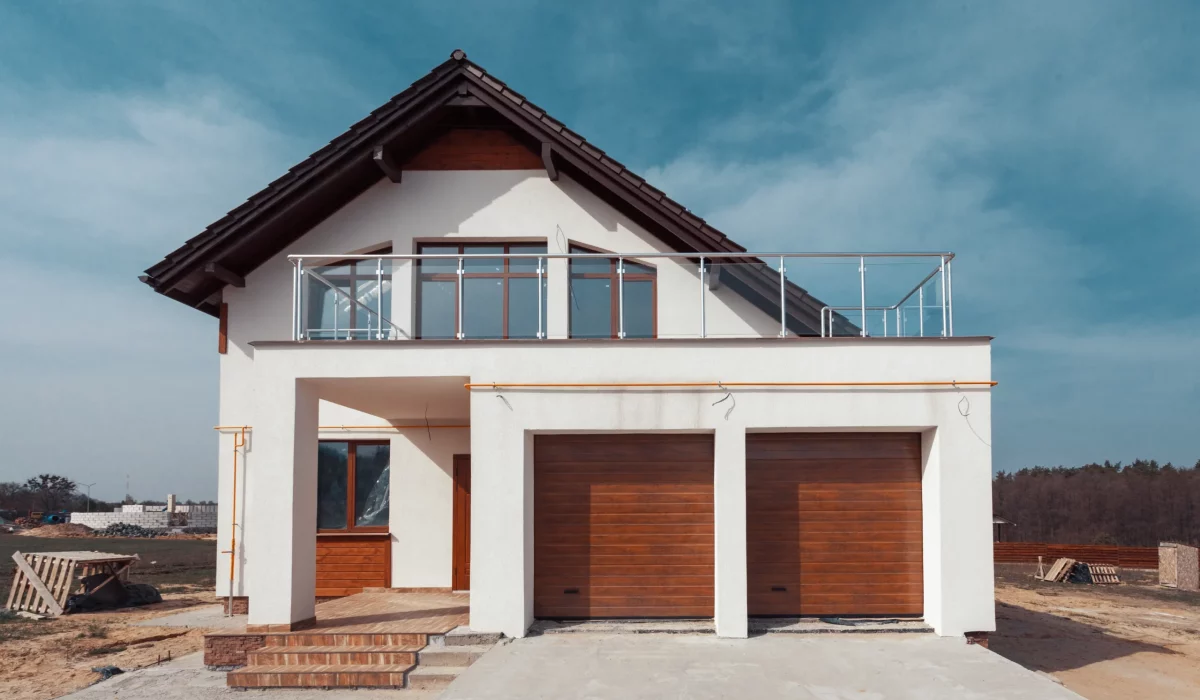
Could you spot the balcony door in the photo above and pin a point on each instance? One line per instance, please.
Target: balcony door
(498, 297)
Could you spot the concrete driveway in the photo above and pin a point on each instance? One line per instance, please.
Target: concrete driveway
(821, 667)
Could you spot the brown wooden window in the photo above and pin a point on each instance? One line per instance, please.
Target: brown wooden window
(499, 295)
(596, 298)
(353, 485)
(331, 316)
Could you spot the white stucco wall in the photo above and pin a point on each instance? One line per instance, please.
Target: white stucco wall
(505, 205)
(957, 469)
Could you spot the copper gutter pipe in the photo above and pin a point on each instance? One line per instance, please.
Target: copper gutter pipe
(718, 385)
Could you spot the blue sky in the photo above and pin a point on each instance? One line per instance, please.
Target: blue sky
(1053, 146)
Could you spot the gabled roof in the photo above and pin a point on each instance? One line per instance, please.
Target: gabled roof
(455, 92)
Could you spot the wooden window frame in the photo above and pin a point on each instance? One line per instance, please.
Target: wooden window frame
(505, 274)
(614, 292)
(353, 278)
(351, 488)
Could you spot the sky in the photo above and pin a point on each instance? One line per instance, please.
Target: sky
(1053, 147)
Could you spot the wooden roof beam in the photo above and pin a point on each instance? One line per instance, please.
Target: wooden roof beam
(224, 274)
(385, 162)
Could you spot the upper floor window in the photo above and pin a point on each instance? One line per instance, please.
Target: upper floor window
(353, 485)
(331, 313)
(499, 295)
(597, 306)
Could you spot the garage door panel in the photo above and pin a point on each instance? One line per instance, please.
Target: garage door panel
(623, 526)
(675, 517)
(834, 524)
(827, 446)
(624, 448)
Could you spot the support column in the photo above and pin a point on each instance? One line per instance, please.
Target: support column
(729, 501)
(282, 507)
(501, 519)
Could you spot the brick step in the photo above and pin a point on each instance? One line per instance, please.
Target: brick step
(461, 656)
(360, 676)
(433, 677)
(333, 656)
(317, 639)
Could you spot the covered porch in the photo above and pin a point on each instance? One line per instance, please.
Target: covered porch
(380, 471)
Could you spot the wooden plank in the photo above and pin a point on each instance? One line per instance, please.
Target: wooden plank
(36, 583)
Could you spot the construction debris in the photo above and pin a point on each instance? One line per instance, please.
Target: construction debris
(45, 580)
(1072, 571)
(1059, 571)
(128, 530)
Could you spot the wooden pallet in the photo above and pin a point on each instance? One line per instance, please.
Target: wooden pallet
(1103, 573)
(44, 580)
(1060, 570)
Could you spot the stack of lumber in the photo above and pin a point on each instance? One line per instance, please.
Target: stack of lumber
(1060, 570)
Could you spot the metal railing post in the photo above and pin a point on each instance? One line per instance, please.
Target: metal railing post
(539, 302)
(899, 325)
(921, 310)
(782, 298)
(822, 321)
(459, 332)
(942, 275)
(862, 290)
(703, 322)
(295, 305)
(621, 298)
(950, 295)
(885, 323)
(379, 298)
(301, 315)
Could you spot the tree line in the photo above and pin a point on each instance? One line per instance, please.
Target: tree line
(1138, 504)
(51, 493)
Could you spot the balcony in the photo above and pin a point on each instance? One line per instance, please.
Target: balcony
(520, 291)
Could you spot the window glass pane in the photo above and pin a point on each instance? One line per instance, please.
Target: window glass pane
(483, 264)
(591, 308)
(483, 307)
(525, 264)
(367, 293)
(446, 265)
(326, 308)
(639, 309)
(371, 485)
(590, 265)
(522, 307)
(437, 310)
(632, 268)
(332, 466)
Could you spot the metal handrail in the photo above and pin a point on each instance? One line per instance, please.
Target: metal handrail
(941, 270)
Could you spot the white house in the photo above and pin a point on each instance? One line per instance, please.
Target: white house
(463, 348)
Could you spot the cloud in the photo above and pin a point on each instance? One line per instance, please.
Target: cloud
(132, 169)
(97, 185)
(1022, 140)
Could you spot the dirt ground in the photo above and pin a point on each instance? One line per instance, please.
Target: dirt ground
(1134, 640)
(48, 658)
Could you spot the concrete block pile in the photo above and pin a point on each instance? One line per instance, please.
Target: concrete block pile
(99, 521)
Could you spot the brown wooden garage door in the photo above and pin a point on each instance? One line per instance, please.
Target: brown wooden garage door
(623, 526)
(834, 524)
